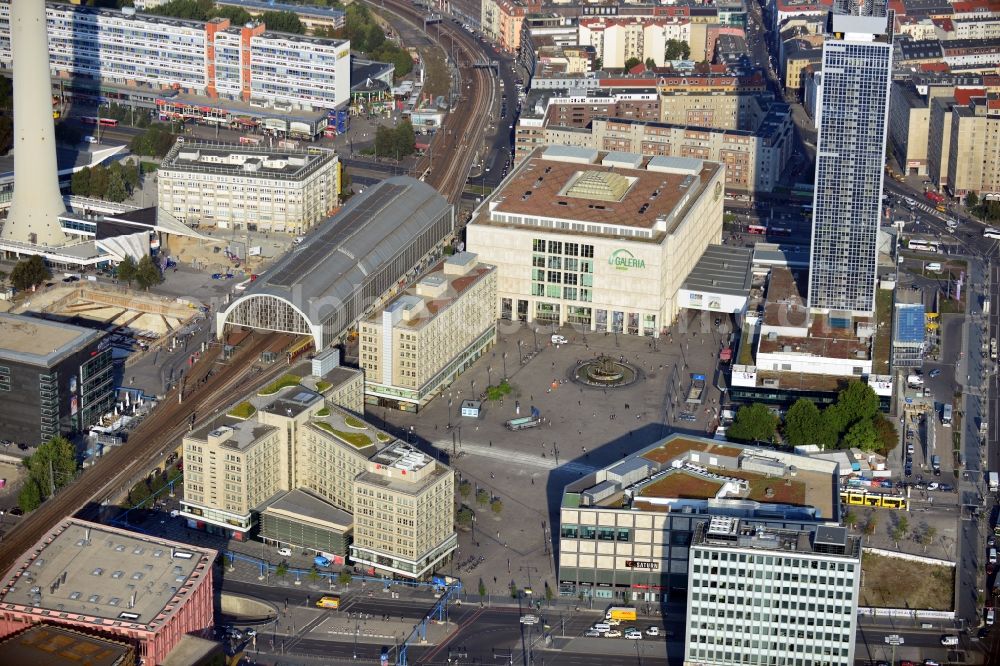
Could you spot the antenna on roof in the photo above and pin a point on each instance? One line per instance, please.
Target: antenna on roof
(131, 601)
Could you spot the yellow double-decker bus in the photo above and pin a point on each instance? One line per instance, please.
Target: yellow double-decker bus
(331, 601)
(858, 497)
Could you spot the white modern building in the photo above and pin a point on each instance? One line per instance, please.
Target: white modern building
(616, 39)
(248, 187)
(854, 113)
(767, 596)
(598, 240)
(214, 58)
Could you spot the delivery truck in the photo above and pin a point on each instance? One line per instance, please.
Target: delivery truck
(994, 481)
(621, 613)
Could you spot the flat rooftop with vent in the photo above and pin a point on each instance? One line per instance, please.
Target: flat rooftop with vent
(247, 161)
(101, 578)
(582, 189)
(787, 347)
(696, 475)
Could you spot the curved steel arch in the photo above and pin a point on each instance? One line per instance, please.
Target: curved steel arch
(268, 312)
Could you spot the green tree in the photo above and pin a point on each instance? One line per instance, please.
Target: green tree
(30, 496)
(281, 570)
(754, 423)
(927, 537)
(313, 574)
(971, 200)
(677, 49)
(197, 10)
(548, 592)
(117, 189)
(132, 174)
(851, 520)
(80, 184)
(344, 577)
(598, 64)
(283, 22)
(465, 489)
(147, 273)
(482, 588)
(897, 534)
(237, 15)
(127, 270)
(871, 525)
(631, 62)
(98, 181)
(404, 139)
(497, 506)
(465, 517)
(374, 36)
(886, 434)
(862, 436)
(650, 63)
(482, 497)
(139, 494)
(29, 273)
(804, 424)
(857, 402)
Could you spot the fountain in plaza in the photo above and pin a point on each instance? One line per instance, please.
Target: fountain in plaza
(605, 372)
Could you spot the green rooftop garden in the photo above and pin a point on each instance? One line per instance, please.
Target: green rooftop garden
(358, 440)
(281, 382)
(354, 422)
(322, 385)
(244, 410)
(323, 412)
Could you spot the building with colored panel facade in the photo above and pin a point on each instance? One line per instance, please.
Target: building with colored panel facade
(215, 59)
(908, 323)
(128, 586)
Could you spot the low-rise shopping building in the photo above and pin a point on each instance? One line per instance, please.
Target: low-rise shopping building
(248, 187)
(627, 530)
(428, 335)
(598, 240)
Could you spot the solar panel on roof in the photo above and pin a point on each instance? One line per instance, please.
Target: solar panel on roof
(910, 324)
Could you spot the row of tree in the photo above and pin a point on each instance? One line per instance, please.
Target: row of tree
(853, 421)
(368, 37)
(145, 274)
(677, 49)
(203, 10)
(50, 468)
(127, 115)
(396, 142)
(113, 183)
(156, 141)
(987, 210)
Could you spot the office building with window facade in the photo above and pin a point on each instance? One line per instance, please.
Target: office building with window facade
(55, 379)
(120, 47)
(850, 163)
(598, 240)
(429, 334)
(767, 596)
(626, 530)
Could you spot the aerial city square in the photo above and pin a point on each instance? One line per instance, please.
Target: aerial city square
(499, 332)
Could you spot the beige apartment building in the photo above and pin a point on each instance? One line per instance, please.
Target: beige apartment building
(248, 187)
(404, 506)
(298, 465)
(963, 142)
(909, 125)
(429, 334)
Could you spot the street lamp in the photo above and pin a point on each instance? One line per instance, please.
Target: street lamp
(505, 365)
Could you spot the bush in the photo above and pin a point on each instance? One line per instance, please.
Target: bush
(483, 497)
(355, 422)
(244, 410)
(280, 383)
(465, 517)
(497, 506)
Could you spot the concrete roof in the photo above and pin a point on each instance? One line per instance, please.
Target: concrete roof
(541, 187)
(299, 503)
(722, 269)
(41, 342)
(244, 161)
(100, 569)
(368, 233)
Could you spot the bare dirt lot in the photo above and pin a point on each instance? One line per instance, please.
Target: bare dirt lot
(891, 582)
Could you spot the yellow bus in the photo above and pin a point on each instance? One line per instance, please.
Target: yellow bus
(332, 601)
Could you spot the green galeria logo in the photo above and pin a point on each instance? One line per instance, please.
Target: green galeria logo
(623, 260)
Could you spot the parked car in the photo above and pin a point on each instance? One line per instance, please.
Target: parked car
(933, 485)
(216, 276)
(614, 633)
(991, 616)
(633, 635)
(592, 633)
(948, 639)
(652, 631)
(559, 340)
(934, 373)
(946, 487)
(321, 561)
(285, 552)
(174, 513)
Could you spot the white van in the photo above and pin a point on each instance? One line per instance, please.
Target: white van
(993, 555)
(602, 627)
(934, 267)
(948, 639)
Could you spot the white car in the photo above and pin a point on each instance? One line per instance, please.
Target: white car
(949, 640)
(285, 552)
(559, 340)
(614, 633)
(652, 631)
(174, 513)
(934, 485)
(633, 635)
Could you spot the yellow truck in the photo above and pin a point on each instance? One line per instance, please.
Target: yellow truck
(620, 613)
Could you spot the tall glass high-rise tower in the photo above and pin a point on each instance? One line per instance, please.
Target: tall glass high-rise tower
(850, 156)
